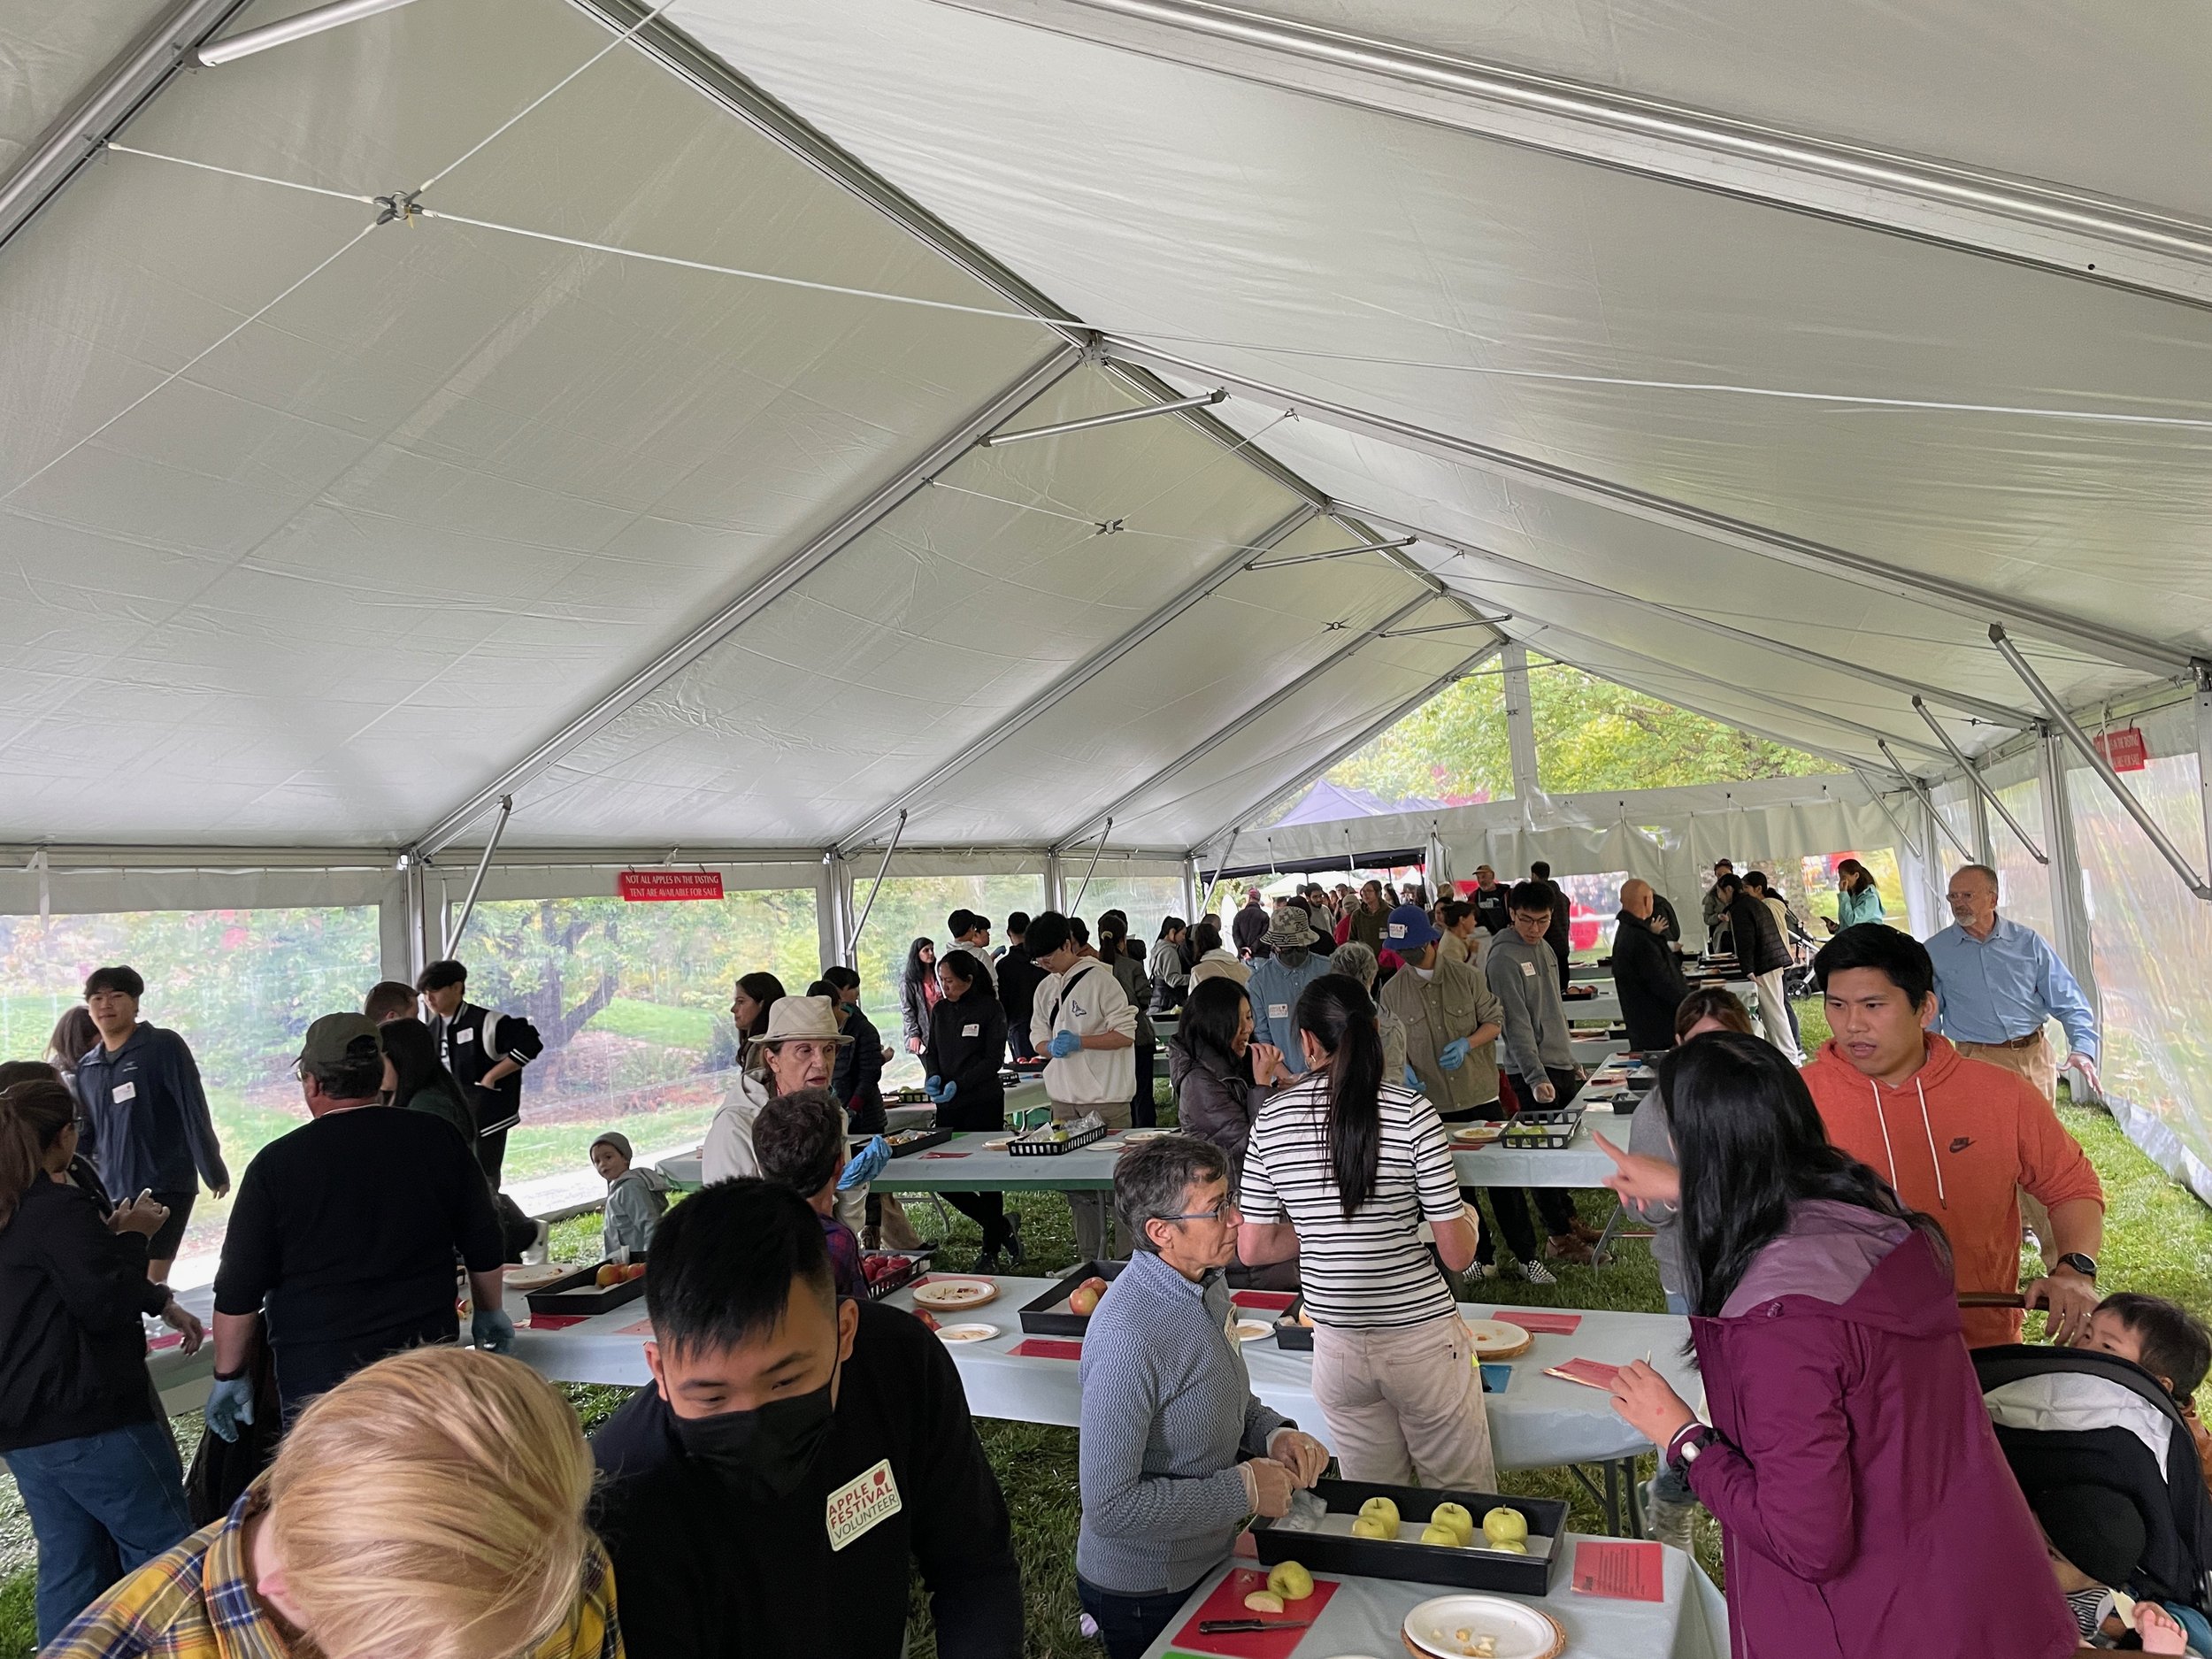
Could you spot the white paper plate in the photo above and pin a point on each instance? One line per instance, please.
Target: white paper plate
(1522, 1632)
(998, 1146)
(958, 1334)
(1134, 1135)
(941, 1296)
(1252, 1330)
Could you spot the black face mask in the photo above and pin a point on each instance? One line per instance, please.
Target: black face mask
(765, 1453)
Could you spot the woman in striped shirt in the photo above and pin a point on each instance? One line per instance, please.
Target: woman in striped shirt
(1343, 1167)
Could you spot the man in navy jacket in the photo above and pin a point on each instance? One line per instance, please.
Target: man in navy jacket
(146, 1122)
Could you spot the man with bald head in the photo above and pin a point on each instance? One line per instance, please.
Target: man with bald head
(1645, 972)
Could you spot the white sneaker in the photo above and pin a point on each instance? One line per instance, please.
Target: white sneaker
(537, 1252)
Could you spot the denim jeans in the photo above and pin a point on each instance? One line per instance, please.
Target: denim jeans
(1671, 1485)
(100, 1505)
(1128, 1625)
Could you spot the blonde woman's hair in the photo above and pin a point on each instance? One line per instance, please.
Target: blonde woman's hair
(432, 1505)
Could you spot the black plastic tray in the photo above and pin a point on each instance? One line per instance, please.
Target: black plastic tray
(1418, 1563)
(917, 1265)
(928, 1139)
(576, 1294)
(1022, 1148)
(1038, 1317)
(1289, 1334)
(1540, 1130)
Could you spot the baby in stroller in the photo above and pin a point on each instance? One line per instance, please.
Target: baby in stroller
(2106, 1459)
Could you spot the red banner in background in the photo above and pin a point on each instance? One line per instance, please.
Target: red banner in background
(2124, 751)
(644, 887)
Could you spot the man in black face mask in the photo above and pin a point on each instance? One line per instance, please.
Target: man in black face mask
(796, 1457)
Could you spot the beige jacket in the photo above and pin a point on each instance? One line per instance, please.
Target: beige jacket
(1454, 1003)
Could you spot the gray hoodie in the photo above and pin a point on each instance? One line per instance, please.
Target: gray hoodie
(1526, 979)
(636, 1200)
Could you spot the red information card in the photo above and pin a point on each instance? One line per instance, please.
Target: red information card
(1227, 1602)
(1046, 1347)
(1267, 1300)
(1591, 1373)
(1538, 1322)
(1624, 1571)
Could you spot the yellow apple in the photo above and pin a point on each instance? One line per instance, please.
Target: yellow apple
(1454, 1516)
(1509, 1546)
(1372, 1526)
(1504, 1526)
(1384, 1511)
(1446, 1535)
(1291, 1581)
(1264, 1601)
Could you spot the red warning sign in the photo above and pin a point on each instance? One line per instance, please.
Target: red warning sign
(648, 887)
(2124, 751)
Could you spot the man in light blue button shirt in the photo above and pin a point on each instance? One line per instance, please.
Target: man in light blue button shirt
(1998, 982)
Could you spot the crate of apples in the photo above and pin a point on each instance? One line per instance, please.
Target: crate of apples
(613, 1273)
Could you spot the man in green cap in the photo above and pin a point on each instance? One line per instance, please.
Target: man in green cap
(343, 1236)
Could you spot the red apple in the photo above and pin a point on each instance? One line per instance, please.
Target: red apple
(1082, 1300)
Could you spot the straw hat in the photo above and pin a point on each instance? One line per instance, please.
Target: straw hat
(790, 1017)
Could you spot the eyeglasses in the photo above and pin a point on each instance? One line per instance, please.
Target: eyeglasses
(1219, 1212)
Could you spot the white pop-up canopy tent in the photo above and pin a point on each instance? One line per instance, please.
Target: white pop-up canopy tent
(587, 407)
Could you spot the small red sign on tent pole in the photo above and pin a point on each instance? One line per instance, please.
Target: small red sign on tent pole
(2124, 749)
(656, 887)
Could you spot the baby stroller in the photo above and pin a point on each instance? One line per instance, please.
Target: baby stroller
(2107, 1464)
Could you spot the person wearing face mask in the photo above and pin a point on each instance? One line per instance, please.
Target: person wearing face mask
(795, 1459)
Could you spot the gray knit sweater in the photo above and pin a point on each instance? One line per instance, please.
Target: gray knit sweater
(1167, 1411)
(1525, 977)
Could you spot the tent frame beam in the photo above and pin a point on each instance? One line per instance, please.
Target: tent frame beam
(1981, 788)
(1075, 678)
(1927, 804)
(702, 636)
(2054, 228)
(128, 84)
(1243, 722)
(2115, 645)
(1397, 713)
(2069, 728)
(1996, 713)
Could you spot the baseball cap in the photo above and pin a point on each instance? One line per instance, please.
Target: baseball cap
(330, 1040)
(1409, 929)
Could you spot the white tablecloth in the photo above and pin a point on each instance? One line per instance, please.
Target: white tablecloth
(1365, 1615)
(1536, 1423)
(1580, 1164)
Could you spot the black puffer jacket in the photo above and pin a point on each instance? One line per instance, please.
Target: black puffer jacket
(1216, 1106)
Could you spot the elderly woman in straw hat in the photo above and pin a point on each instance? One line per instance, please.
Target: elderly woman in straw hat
(797, 1050)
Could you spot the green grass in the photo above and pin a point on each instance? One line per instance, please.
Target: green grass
(656, 1022)
(2157, 1239)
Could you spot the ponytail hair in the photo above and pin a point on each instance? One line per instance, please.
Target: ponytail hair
(1337, 1009)
(33, 1116)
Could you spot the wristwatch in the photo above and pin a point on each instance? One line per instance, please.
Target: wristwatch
(2085, 1265)
(1689, 1441)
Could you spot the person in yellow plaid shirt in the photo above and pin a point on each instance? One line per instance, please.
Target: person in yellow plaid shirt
(431, 1505)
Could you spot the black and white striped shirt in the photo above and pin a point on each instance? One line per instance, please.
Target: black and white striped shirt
(1368, 1269)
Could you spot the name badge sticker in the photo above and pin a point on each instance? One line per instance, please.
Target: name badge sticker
(862, 1503)
(971, 1031)
(465, 1034)
(1279, 1010)
(122, 1092)
(1528, 970)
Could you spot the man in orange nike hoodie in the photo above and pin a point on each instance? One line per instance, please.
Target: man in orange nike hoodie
(1957, 1138)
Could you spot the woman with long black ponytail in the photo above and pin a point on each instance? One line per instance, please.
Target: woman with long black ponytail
(1342, 1168)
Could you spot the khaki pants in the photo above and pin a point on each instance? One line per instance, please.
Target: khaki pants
(1774, 1014)
(1404, 1405)
(2038, 1064)
(1094, 1212)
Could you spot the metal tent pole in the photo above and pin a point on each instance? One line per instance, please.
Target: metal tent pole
(476, 882)
(1981, 784)
(1927, 802)
(852, 950)
(2066, 723)
(1085, 885)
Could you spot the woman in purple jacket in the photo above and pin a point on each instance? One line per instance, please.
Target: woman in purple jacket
(1863, 1502)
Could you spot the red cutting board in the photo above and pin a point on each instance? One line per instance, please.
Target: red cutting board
(1046, 1347)
(1265, 1301)
(1536, 1322)
(1227, 1602)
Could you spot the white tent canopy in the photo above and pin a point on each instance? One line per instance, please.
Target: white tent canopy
(1762, 380)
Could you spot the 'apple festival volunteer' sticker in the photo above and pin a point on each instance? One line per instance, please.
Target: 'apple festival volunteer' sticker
(869, 1498)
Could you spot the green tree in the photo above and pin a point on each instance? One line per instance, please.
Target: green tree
(1591, 735)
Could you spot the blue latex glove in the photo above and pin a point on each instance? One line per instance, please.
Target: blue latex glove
(1454, 1055)
(944, 1095)
(930, 1086)
(229, 1403)
(490, 1328)
(866, 1165)
(1065, 1043)
(1413, 1078)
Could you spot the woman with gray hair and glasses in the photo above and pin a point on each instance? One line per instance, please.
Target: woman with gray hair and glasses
(1175, 1451)
(1356, 962)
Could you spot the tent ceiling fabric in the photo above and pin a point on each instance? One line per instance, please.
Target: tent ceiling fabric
(316, 529)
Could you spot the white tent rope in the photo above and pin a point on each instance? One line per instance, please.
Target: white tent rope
(234, 172)
(619, 41)
(198, 357)
(1843, 399)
